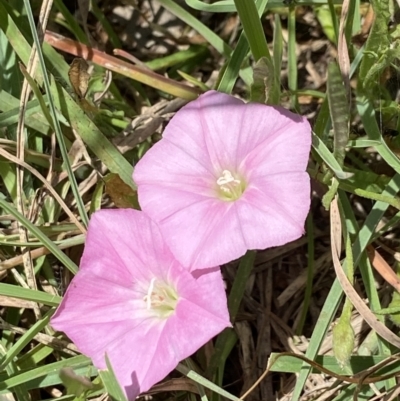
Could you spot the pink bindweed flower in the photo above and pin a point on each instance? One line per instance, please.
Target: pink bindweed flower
(132, 300)
(227, 177)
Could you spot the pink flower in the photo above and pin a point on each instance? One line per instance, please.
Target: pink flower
(132, 300)
(227, 177)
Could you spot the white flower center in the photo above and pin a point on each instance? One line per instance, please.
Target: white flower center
(230, 187)
(161, 298)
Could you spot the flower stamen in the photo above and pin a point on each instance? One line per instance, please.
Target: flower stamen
(161, 298)
(229, 186)
(147, 297)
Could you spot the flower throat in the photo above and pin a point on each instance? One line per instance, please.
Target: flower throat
(230, 187)
(161, 298)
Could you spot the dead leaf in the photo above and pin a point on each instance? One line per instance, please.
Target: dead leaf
(79, 76)
(120, 193)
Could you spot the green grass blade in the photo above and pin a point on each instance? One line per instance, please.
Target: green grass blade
(277, 44)
(46, 375)
(378, 42)
(292, 57)
(327, 156)
(14, 291)
(212, 38)
(113, 38)
(191, 374)
(225, 340)
(57, 127)
(310, 273)
(228, 6)
(15, 37)
(88, 131)
(92, 136)
(368, 117)
(253, 29)
(231, 72)
(224, 6)
(291, 364)
(111, 384)
(38, 95)
(72, 22)
(327, 313)
(339, 110)
(21, 392)
(239, 285)
(189, 19)
(24, 340)
(61, 256)
(325, 318)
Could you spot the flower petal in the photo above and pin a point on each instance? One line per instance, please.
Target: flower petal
(181, 171)
(201, 127)
(98, 300)
(272, 212)
(105, 311)
(122, 244)
(204, 233)
(177, 179)
(285, 149)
